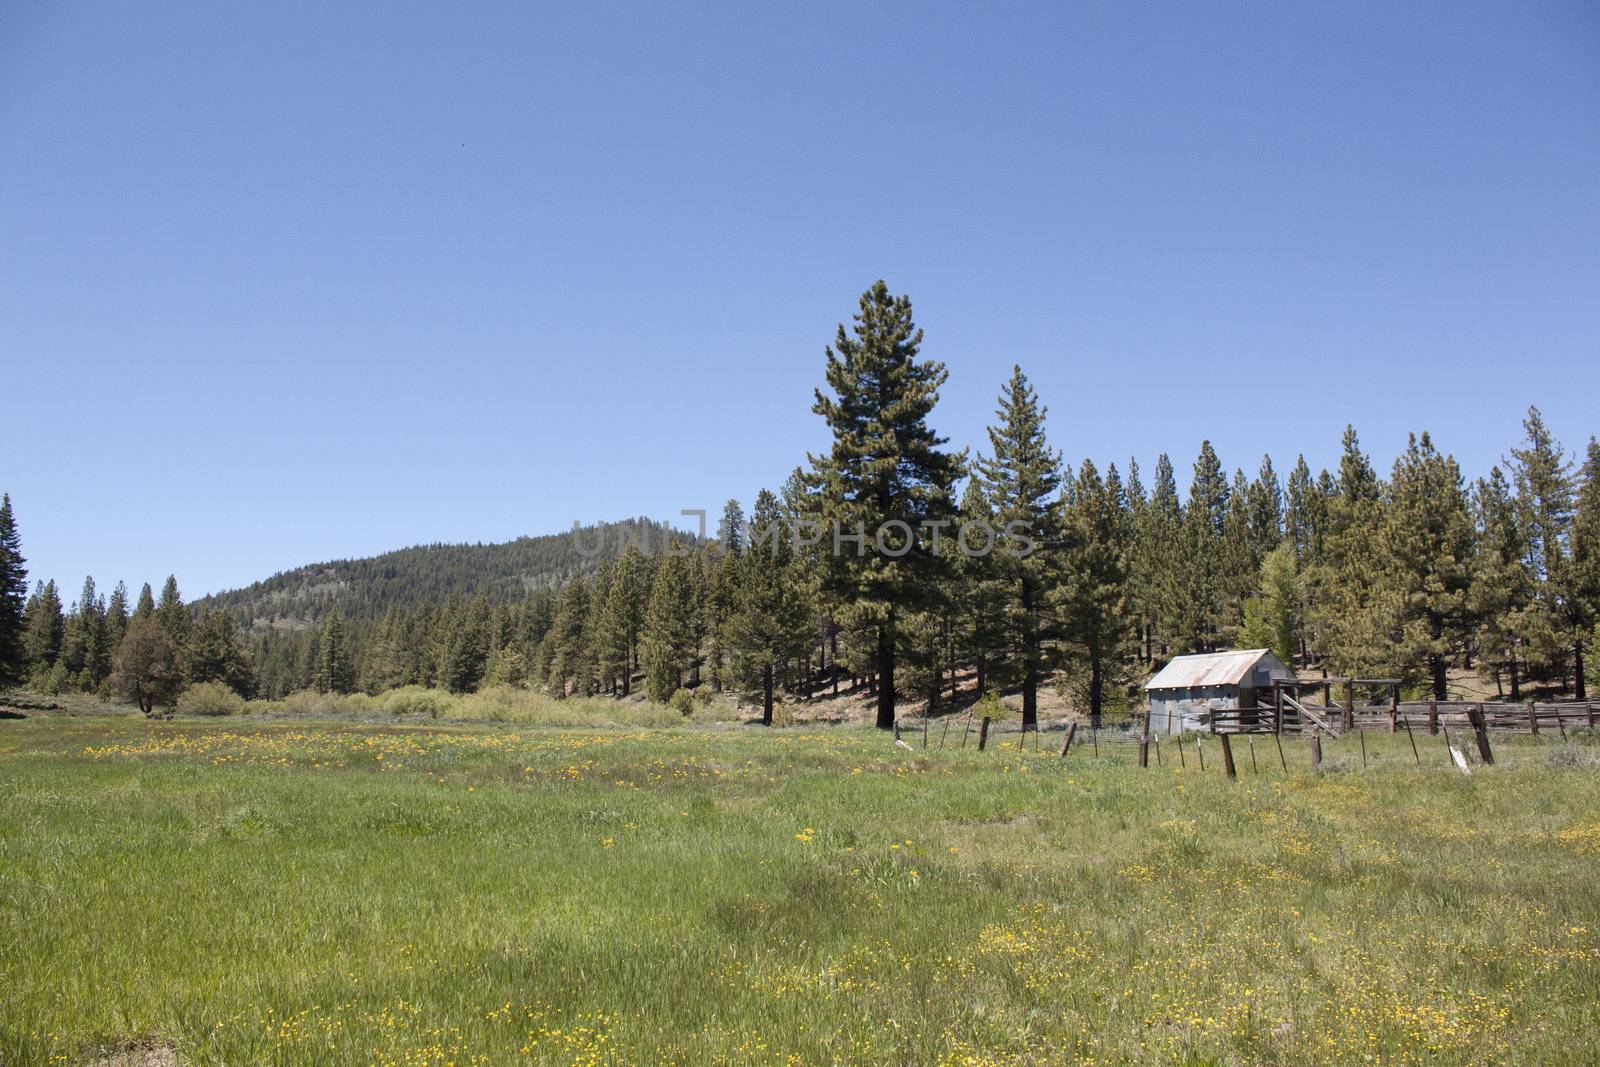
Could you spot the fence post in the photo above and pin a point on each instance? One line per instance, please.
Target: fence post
(1227, 757)
(1316, 751)
(1413, 739)
(1394, 708)
(1349, 705)
(1072, 731)
(1533, 720)
(1433, 717)
(1144, 745)
(983, 733)
(1277, 707)
(1480, 727)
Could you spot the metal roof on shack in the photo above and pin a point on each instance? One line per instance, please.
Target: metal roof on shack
(1214, 668)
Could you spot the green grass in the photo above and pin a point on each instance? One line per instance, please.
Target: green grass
(318, 892)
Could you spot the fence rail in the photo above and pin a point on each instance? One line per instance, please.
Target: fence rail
(1289, 715)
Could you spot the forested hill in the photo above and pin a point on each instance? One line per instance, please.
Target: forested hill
(430, 574)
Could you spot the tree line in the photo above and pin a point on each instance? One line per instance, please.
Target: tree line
(1405, 575)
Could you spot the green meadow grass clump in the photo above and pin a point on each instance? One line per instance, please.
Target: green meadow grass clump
(509, 704)
(210, 698)
(497, 704)
(296, 891)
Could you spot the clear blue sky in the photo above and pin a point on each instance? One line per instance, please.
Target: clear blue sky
(287, 282)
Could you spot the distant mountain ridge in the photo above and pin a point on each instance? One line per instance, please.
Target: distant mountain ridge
(431, 574)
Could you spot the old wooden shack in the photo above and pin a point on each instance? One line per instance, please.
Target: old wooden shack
(1188, 687)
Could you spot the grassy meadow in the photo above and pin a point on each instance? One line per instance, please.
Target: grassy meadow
(243, 891)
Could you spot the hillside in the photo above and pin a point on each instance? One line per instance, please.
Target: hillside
(429, 574)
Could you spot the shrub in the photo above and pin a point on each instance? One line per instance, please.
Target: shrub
(682, 702)
(418, 700)
(989, 707)
(210, 698)
(310, 702)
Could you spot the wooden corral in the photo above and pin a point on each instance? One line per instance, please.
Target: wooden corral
(1350, 704)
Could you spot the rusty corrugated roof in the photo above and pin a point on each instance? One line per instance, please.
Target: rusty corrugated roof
(1208, 668)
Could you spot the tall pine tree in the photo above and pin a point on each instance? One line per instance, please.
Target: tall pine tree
(1427, 538)
(1021, 480)
(1093, 599)
(886, 473)
(771, 621)
(13, 599)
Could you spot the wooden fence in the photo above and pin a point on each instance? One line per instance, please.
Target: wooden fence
(1289, 715)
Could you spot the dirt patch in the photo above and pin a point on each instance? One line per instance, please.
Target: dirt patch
(136, 1054)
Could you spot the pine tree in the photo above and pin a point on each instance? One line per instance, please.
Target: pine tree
(1240, 563)
(468, 651)
(625, 610)
(147, 603)
(171, 614)
(44, 628)
(885, 474)
(570, 653)
(1202, 581)
(1502, 588)
(1542, 474)
(335, 667)
(1140, 583)
(1021, 479)
(1305, 514)
(215, 653)
(1097, 617)
(701, 586)
(798, 505)
(117, 615)
(1275, 617)
(1155, 568)
(601, 669)
(1266, 513)
(1427, 540)
(1582, 582)
(388, 665)
(86, 648)
(721, 576)
(730, 530)
(13, 599)
(1354, 617)
(668, 650)
(771, 620)
(983, 593)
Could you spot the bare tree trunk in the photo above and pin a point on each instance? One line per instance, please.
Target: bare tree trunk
(1579, 692)
(766, 694)
(833, 654)
(1097, 687)
(886, 674)
(1030, 659)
